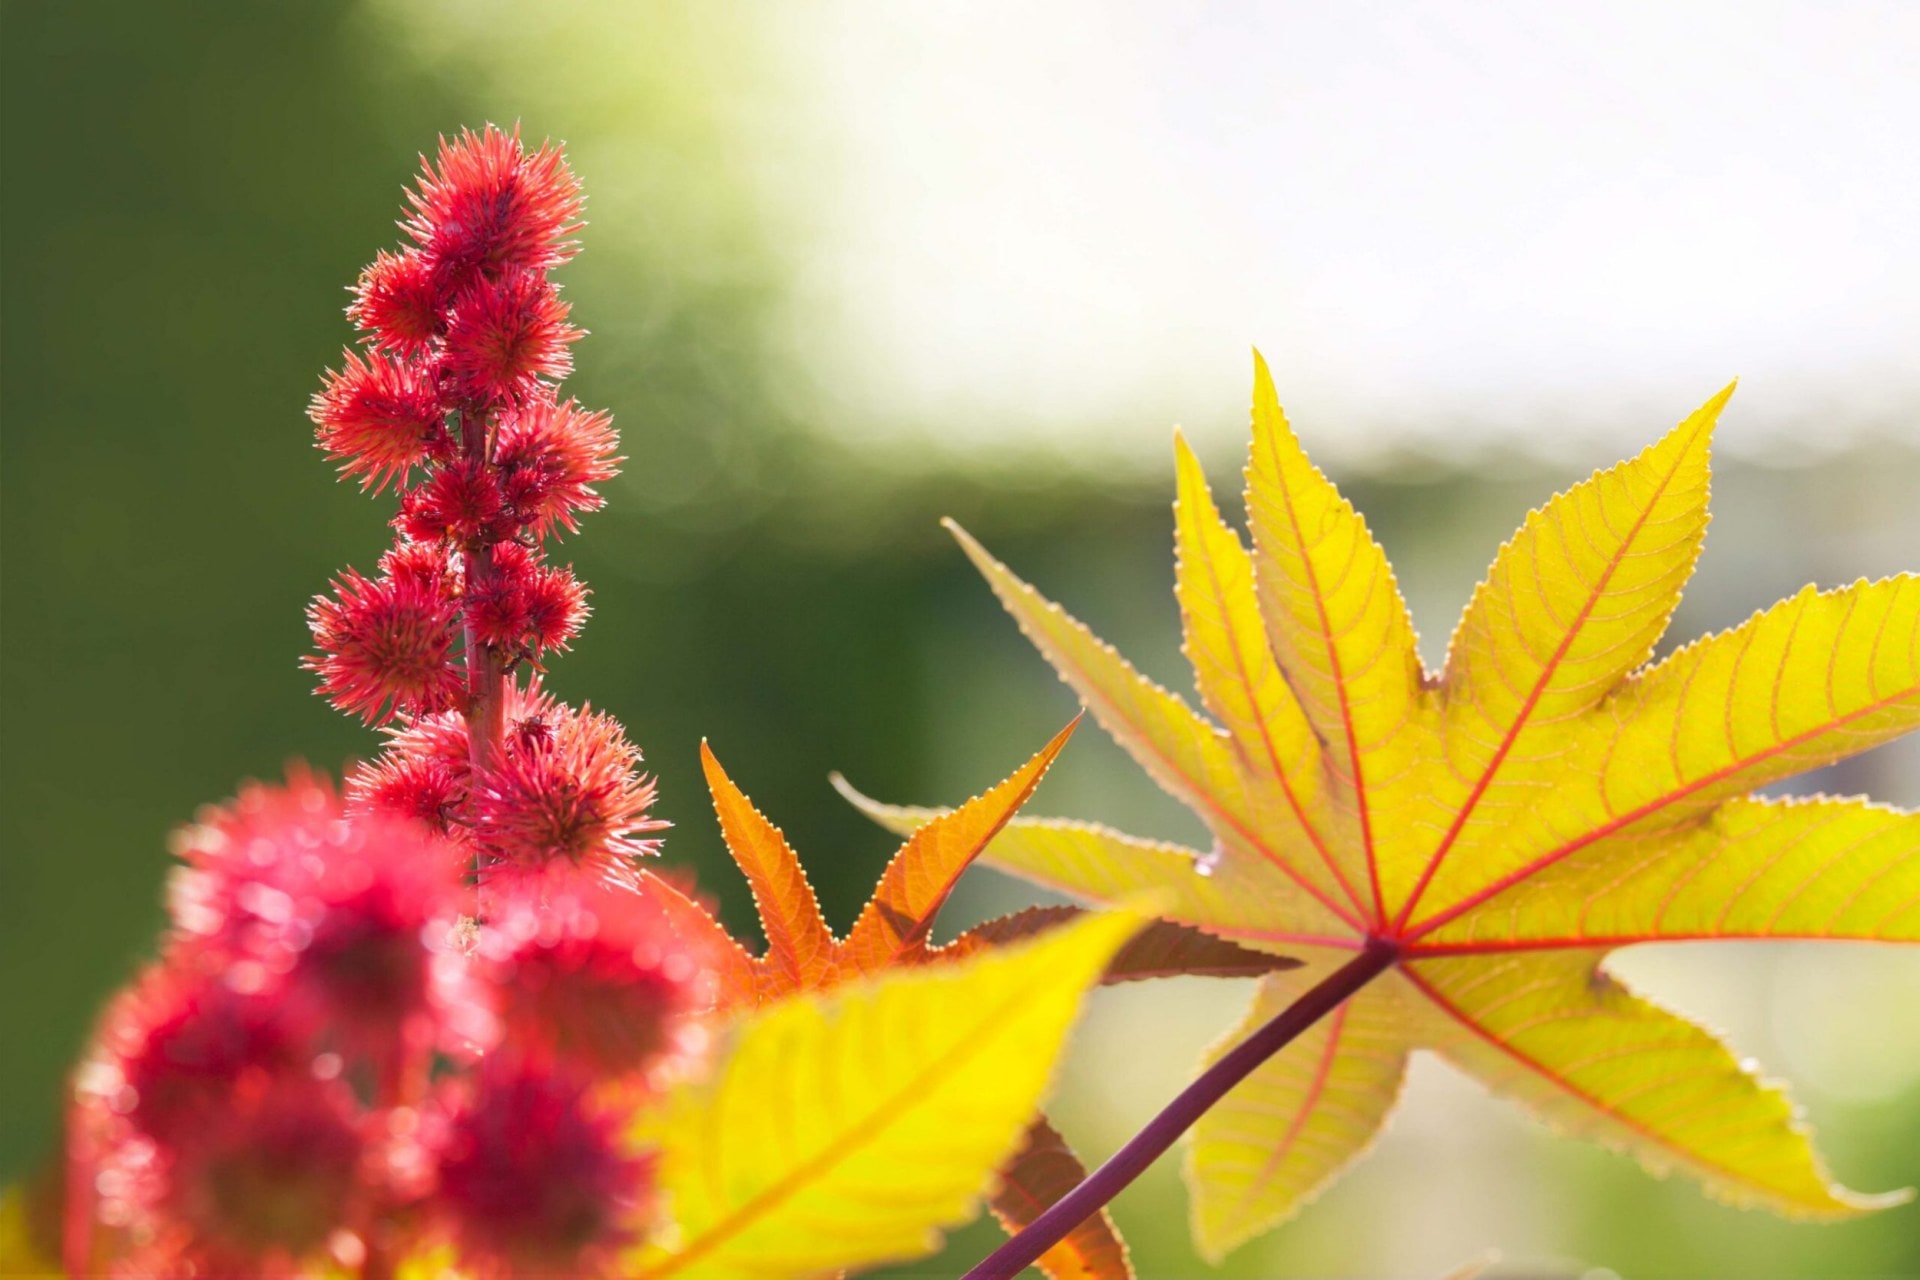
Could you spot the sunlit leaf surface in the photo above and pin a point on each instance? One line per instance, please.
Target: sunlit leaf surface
(1501, 824)
(893, 933)
(847, 1128)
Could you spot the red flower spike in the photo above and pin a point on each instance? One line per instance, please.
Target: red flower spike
(461, 501)
(550, 456)
(536, 1177)
(575, 797)
(503, 336)
(488, 206)
(399, 302)
(379, 418)
(595, 975)
(386, 646)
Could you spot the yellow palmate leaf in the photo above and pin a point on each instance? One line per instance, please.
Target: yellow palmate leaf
(1814, 679)
(1242, 685)
(849, 1128)
(1337, 623)
(1596, 1061)
(1183, 752)
(1287, 1130)
(1572, 605)
(1504, 823)
(1246, 899)
(1162, 949)
(1819, 868)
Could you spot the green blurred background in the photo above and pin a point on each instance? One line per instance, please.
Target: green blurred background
(830, 262)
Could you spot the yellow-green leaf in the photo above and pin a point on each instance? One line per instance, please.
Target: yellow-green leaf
(1181, 750)
(1572, 605)
(1242, 685)
(848, 1129)
(1338, 626)
(1597, 1061)
(1243, 898)
(1497, 827)
(1302, 1117)
(1819, 868)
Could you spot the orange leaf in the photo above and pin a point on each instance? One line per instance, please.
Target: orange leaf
(894, 925)
(800, 947)
(1044, 1170)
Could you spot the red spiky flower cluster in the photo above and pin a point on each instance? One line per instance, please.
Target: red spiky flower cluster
(453, 402)
(349, 1053)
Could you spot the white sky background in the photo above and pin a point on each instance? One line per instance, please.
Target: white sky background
(1441, 220)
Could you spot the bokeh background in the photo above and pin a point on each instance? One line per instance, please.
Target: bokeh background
(854, 266)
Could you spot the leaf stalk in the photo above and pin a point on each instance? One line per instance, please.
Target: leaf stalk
(1159, 1133)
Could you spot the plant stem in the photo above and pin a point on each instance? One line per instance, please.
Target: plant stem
(486, 675)
(1131, 1160)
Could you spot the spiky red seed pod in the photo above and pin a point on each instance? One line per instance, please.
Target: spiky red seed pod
(176, 1043)
(371, 953)
(574, 798)
(550, 457)
(416, 788)
(379, 418)
(425, 769)
(496, 606)
(386, 646)
(266, 1176)
(461, 501)
(345, 924)
(527, 604)
(536, 1176)
(503, 336)
(399, 302)
(425, 566)
(487, 206)
(593, 974)
(556, 608)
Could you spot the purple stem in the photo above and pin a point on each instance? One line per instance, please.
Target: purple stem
(1131, 1160)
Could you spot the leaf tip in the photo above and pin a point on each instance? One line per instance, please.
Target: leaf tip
(1855, 1204)
(717, 778)
(1261, 373)
(968, 543)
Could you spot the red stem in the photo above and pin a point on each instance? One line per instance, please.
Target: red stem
(1131, 1160)
(486, 674)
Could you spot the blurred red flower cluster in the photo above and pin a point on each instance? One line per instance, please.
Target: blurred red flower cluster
(331, 1060)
